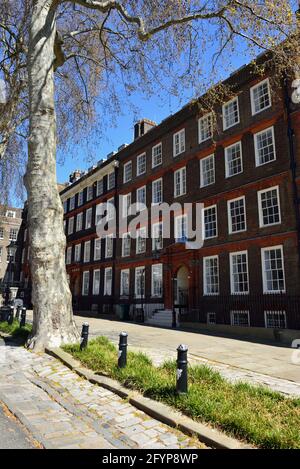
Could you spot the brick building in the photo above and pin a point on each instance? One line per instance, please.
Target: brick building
(240, 161)
(10, 249)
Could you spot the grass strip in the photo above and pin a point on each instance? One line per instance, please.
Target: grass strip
(15, 330)
(256, 414)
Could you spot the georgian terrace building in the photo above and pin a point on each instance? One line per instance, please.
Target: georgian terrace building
(244, 170)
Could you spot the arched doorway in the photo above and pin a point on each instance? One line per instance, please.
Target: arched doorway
(181, 287)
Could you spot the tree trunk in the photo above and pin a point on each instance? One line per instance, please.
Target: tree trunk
(53, 322)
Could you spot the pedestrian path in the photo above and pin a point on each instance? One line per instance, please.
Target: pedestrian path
(62, 410)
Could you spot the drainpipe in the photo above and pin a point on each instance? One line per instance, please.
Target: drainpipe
(293, 163)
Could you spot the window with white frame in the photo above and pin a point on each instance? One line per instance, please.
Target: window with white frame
(157, 280)
(139, 284)
(260, 97)
(141, 198)
(210, 223)
(157, 236)
(71, 225)
(141, 164)
(88, 218)
(180, 227)
(205, 127)
(157, 155)
(127, 171)
(126, 204)
(111, 209)
(179, 142)
(111, 180)
(13, 234)
(126, 243)
(98, 213)
(108, 281)
(109, 245)
(89, 192)
(85, 283)
(99, 187)
(79, 221)
(157, 191)
(273, 270)
(211, 318)
(65, 226)
(65, 204)
(10, 214)
(69, 256)
(231, 114)
(1, 233)
(239, 272)
(269, 207)
(11, 254)
(72, 203)
(1, 252)
(264, 143)
(96, 282)
(275, 319)
(211, 275)
(141, 234)
(124, 282)
(240, 318)
(97, 249)
(180, 182)
(77, 253)
(233, 160)
(237, 215)
(207, 171)
(80, 198)
(87, 251)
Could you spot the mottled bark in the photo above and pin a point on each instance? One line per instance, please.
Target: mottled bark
(53, 322)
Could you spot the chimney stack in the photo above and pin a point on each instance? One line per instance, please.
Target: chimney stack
(142, 127)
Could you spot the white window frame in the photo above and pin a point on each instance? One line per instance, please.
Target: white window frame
(231, 101)
(155, 239)
(77, 252)
(205, 285)
(227, 175)
(88, 217)
(139, 269)
(138, 242)
(13, 234)
(208, 320)
(141, 205)
(69, 255)
(97, 249)
(252, 89)
(256, 135)
(71, 225)
(126, 236)
(127, 165)
(126, 204)
(72, 203)
(96, 291)
(122, 293)
(153, 268)
(107, 254)
(99, 187)
(272, 248)
(85, 274)
(260, 210)
(154, 183)
(2, 233)
(80, 198)
(201, 162)
(231, 256)
(181, 142)
(89, 193)
(178, 225)
(87, 250)
(182, 182)
(203, 222)
(110, 208)
(278, 312)
(108, 291)
(138, 170)
(79, 220)
(202, 120)
(229, 217)
(246, 312)
(156, 156)
(111, 180)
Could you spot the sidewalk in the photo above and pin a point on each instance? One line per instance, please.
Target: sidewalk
(62, 410)
(257, 363)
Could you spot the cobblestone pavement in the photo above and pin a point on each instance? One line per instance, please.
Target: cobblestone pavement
(236, 360)
(62, 410)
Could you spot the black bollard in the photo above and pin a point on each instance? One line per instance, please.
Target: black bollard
(122, 356)
(23, 317)
(10, 319)
(174, 323)
(84, 335)
(182, 370)
(18, 311)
